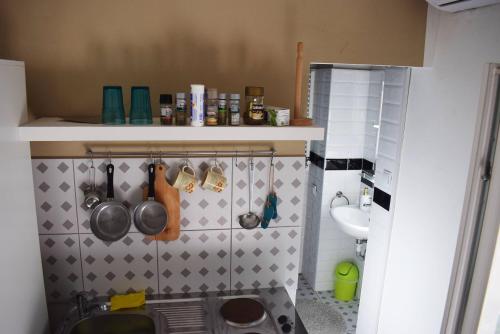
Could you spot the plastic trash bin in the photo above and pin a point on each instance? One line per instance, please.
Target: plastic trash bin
(346, 281)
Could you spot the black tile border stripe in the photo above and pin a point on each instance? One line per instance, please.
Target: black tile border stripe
(367, 182)
(317, 160)
(367, 165)
(382, 198)
(336, 164)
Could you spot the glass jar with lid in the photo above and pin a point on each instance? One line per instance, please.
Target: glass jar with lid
(254, 112)
(212, 107)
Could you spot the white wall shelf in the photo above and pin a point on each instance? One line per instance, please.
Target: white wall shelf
(55, 129)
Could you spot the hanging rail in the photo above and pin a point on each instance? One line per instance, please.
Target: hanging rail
(182, 154)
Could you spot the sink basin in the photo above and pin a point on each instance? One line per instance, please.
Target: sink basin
(115, 323)
(352, 220)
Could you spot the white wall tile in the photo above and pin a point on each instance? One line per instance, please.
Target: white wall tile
(124, 266)
(62, 270)
(289, 176)
(198, 262)
(55, 196)
(265, 258)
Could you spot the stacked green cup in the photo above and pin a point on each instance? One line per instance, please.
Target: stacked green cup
(140, 106)
(113, 111)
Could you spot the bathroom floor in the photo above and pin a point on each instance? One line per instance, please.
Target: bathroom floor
(348, 310)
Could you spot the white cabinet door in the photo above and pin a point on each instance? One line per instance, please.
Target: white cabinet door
(23, 307)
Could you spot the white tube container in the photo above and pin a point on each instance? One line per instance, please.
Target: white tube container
(197, 107)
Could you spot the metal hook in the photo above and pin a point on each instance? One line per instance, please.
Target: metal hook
(236, 158)
(91, 159)
(109, 156)
(272, 157)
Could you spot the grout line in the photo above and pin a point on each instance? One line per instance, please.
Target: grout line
(231, 230)
(157, 266)
(78, 225)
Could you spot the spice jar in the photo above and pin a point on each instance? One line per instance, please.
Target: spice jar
(166, 109)
(212, 107)
(234, 109)
(180, 109)
(254, 113)
(222, 112)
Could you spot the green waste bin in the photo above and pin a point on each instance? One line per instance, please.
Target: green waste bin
(346, 281)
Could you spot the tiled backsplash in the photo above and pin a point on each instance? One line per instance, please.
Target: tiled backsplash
(213, 252)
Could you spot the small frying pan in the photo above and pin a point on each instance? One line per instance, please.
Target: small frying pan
(150, 216)
(110, 220)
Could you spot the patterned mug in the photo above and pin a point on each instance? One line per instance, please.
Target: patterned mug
(214, 179)
(185, 179)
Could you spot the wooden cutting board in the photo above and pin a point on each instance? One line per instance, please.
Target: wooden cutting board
(170, 198)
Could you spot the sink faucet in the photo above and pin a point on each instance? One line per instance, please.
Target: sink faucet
(85, 307)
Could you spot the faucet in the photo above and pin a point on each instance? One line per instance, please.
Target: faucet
(85, 307)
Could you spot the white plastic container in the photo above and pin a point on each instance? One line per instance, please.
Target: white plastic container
(197, 107)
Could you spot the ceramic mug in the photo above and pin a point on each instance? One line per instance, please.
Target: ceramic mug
(185, 179)
(214, 179)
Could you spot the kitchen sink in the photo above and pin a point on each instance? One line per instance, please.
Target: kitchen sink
(115, 323)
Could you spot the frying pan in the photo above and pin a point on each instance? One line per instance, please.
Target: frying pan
(110, 220)
(150, 216)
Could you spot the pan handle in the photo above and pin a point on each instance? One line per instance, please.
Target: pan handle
(151, 175)
(110, 170)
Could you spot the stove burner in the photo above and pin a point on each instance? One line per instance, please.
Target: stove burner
(243, 312)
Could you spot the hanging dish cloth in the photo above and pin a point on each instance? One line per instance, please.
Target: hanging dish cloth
(271, 205)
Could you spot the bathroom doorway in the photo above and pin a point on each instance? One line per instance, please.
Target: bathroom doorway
(474, 295)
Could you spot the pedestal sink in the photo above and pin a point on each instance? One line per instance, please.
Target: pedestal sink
(352, 220)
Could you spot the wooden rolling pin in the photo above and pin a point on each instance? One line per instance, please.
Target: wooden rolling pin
(170, 198)
(298, 118)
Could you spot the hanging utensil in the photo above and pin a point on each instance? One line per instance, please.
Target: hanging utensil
(150, 216)
(250, 220)
(270, 207)
(92, 195)
(110, 220)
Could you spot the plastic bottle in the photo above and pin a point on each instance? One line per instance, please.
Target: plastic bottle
(365, 201)
(197, 105)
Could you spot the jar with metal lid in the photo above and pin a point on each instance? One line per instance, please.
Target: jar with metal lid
(212, 107)
(254, 112)
(222, 113)
(166, 109)
(181, 116)
(234, 109)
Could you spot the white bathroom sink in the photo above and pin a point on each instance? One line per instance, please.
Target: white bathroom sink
(352, 220)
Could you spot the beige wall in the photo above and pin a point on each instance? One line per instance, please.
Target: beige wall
(73, 48)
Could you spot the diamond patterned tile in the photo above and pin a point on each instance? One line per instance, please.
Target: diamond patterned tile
(181, 269)
(128, 180)
(289, 186)
(61, 266)
(122, 266)
(213, 207)
(54, 196)
(262, 257)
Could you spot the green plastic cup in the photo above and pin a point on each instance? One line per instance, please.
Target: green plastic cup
(140, 106)
(113, 111)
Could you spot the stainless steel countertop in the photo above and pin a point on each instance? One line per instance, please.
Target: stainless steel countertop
(276, 300)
